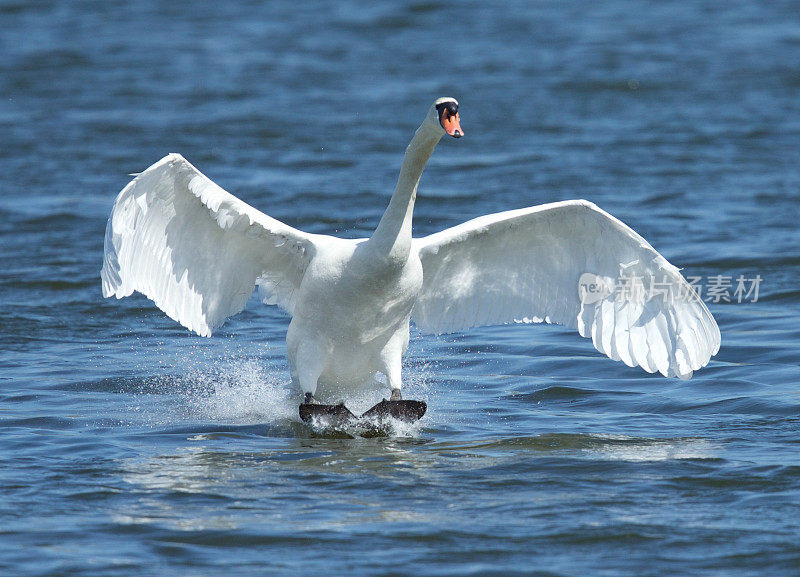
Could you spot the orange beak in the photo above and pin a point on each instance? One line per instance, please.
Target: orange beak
(451, 124)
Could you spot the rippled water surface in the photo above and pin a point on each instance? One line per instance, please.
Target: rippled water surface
(130, 447)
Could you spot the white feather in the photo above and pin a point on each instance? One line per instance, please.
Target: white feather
(528, 262)
(196, 250)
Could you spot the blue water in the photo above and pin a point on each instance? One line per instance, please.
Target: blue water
(128, 446)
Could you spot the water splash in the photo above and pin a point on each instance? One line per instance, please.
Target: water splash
(367, 428)
(245, 389)
(238, 390)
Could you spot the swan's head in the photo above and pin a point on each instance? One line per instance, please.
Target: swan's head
(446, 112)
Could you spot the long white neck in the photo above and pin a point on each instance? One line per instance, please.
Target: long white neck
(392, 237)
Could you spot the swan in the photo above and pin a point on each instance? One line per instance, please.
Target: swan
(199, 252)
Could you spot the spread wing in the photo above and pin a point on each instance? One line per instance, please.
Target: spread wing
(196, 250)
(528, 264)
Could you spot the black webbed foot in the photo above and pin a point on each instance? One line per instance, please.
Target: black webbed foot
(408, 411)
(325, 416)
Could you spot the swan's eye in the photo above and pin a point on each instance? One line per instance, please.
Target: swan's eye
(447, 109)
(448, 118)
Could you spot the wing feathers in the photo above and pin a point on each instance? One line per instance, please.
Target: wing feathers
(196, 250)
(527, 264)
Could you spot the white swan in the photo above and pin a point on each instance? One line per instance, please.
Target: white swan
(197, 252)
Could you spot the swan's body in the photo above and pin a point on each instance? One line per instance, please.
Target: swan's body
(198, 251)
(353, 319)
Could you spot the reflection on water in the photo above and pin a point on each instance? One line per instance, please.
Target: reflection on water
(201, 468)
(311, 484)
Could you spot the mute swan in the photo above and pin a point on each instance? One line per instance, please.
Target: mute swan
(198, 252)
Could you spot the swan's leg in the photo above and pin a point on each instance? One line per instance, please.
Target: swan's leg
(306, 366)
(393, 375)
(392, 362)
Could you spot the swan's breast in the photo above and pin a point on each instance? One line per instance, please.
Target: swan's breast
(353, 295)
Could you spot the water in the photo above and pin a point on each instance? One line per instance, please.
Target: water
(130, 447)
